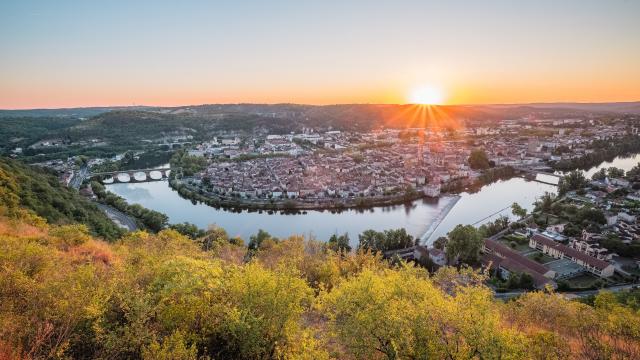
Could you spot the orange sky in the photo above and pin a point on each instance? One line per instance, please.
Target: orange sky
(68, 53)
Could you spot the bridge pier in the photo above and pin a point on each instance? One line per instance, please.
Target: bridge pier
(164, 174)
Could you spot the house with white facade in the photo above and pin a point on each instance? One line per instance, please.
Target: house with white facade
(557, 250)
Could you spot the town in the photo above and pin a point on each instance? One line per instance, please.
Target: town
(587, 236)
(338, 169)
(320, 180)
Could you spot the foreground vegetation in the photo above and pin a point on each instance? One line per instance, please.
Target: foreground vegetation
(66, 294)
(186, 293)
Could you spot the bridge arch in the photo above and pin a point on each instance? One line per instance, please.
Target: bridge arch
(127, 176)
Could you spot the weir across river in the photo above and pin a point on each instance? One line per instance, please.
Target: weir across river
(438, 219)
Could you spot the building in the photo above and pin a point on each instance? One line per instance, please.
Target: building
(404, 254)
(626, 217)
(437, 256)
(506, 261)
(432, 190)
(559, 251)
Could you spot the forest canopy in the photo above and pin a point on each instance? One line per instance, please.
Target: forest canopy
(40, 191)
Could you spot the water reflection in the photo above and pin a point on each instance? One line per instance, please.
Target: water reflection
(133, 194)
(625, 163)
(416, 217)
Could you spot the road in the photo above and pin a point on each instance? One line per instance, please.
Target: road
(509, 295)
(123, 220)
(79, 177)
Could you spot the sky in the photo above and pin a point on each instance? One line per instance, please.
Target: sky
(104, 53)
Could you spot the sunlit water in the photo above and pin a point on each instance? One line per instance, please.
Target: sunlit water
(473, 208)
(624, 163)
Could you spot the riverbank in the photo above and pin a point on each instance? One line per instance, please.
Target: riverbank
(189, 190)
(415, 217)
(292, 205)
(119, 218)
(604, 151)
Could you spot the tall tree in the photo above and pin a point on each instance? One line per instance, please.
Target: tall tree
(464, 245)
(478, 159)
(545, 202)
(392, 239)
(572, 181)
(518, 210)
(339, 242)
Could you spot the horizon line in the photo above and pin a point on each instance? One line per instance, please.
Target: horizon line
(328, 104)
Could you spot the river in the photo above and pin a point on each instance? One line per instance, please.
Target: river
(416, 218)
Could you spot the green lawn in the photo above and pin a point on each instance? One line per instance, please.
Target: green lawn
(543, 260)
(582, 281)
(518, 248)
(553, 220)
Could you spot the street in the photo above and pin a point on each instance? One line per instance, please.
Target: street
(509, 295)
(121, 219)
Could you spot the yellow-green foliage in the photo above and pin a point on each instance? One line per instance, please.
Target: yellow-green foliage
(64, 294)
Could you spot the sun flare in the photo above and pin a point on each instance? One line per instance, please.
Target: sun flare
(426, 95)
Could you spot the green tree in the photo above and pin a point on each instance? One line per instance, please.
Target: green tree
(478, 159)
(392, 239)
(572, 181)
(634, 173)
(440, 243)
(213, 237)
(591, 214)
(518, 210)
(370, 239)
(600, 174)
(188, 229)
(464, 245)
(397, 239)
(493, 227)
(409, 193)
(614, 172)
(339, 242)
(256, 241)
(545, 202)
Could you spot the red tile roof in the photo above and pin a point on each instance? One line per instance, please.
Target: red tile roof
(539, 280)
(506, 252)
(571, 252)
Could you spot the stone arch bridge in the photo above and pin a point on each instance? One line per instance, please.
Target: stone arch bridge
(131, 176)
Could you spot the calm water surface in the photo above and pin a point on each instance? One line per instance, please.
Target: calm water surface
(624, 163)
(415, 217)
(488, 203)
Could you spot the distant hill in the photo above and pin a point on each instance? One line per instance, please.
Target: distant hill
(615, 107)
(293, 110)
(84, 112)
(23, 131)
(126, 126)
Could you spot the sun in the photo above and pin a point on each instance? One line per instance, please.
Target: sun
(426, 95)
